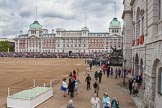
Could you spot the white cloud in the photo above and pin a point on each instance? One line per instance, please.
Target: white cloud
(16, 15)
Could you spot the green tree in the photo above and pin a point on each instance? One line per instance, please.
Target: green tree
(4, 45)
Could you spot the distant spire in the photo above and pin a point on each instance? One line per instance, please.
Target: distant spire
(115, 9)
(3, 34)
(36, 14)
(85, 20)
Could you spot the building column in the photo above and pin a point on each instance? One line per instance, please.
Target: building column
(105, 45)
(26, 45)
(41, 45)
(18, 46)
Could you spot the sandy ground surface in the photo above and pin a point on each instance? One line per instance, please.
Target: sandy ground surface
(19, 73)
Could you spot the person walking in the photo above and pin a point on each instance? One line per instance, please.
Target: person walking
(71, 88)
(104, 68)
(139, 79)
(119, 72)
(96, 87)
(70, 78)
(100, 76)
(111, 72)
(116, 73)
(88, 80)
(130, 85)
(70, 104)
(106, 101)
(108, 71)
(64, 87)
(96, 75)
(77, 82)
(135, 88)
(74, 75)
(115, 103)
(95, 101)
(90, 65)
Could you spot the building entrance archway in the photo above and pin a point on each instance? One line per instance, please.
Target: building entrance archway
(70, 53)
(136, 67)
(141, 66)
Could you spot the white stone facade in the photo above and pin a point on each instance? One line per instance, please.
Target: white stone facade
(127, 34)
(147, 47)
(63, 41)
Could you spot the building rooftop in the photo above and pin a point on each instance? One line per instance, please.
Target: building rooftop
(35, 25)
(115, 23)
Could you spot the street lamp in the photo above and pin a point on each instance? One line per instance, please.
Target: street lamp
(124, 71)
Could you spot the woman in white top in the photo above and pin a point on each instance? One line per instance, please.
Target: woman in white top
(95, 101)
(64, 86)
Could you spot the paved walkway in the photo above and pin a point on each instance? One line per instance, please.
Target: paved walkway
(114, 87)
(138, 99)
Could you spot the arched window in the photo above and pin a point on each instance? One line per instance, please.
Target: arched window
(160, 81)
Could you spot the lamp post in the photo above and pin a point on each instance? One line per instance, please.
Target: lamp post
(124, 71)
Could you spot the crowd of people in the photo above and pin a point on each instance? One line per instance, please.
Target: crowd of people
(106, 102)
(49, 55)
(135, 84)
(71, 86)
(107, 69)
(104, 70)
(95, 101)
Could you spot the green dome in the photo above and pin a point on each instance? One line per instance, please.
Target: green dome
(115, 23)
(35, 25)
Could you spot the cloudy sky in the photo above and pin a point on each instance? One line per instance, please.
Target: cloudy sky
(16, 15)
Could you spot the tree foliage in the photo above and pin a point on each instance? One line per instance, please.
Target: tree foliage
(4, 45)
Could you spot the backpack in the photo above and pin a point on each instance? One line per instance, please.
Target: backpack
(107, 105)
(95, 85)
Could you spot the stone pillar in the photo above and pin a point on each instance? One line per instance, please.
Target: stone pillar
(41, 46)
(26, 48)
(149, 94)
(105, 44)
(18, 46)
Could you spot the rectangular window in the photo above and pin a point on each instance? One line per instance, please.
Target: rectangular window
(160, 9)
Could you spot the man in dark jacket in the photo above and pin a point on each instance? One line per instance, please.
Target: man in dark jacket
(108, 71)
(100, 76)
(130, 85)
(71, 88)
(88, 80)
